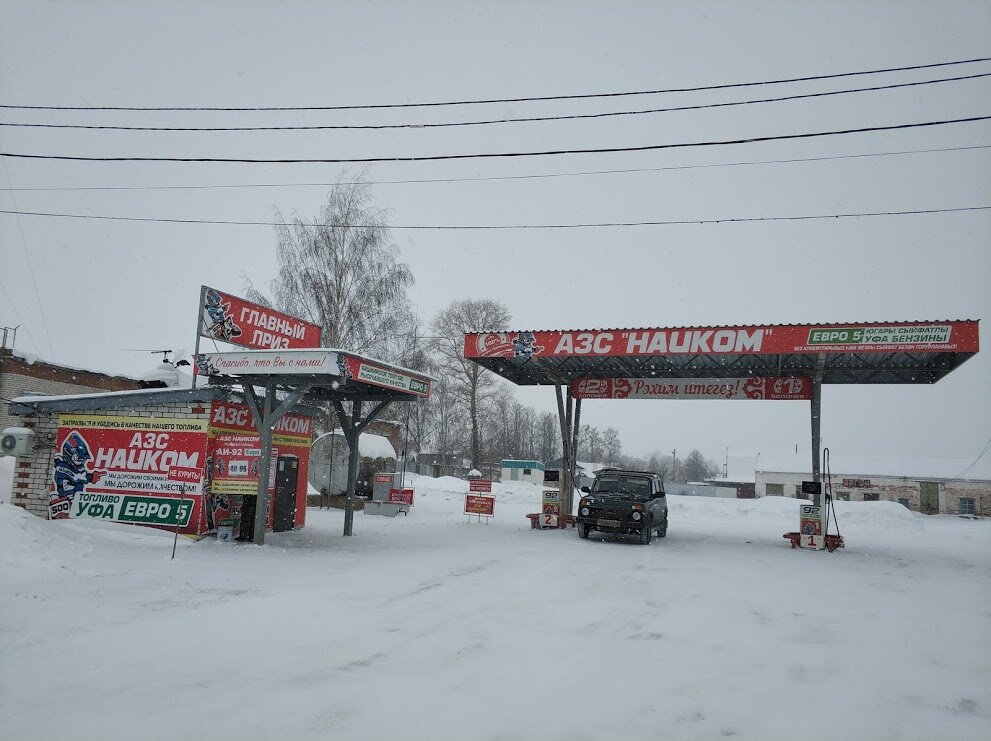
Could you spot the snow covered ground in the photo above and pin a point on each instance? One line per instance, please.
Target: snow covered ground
(433, 627)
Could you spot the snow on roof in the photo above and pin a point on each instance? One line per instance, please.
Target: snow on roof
(35, 398)
(369, 445)
(31, 359)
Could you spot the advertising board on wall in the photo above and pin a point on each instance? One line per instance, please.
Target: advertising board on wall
(740, 340)
(117, 468)
(240, 322)
(771, 388)
(234, 459)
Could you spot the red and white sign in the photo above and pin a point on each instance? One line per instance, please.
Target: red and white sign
(239, 321)
(476, 504)
(401, 495)
(479, 485)
(120, 469)
(382, 478)
(270, 362)
(960, 336)
(774, 387)
(185, 475)
(810, 526)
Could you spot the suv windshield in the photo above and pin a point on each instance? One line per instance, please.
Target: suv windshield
(638, 487)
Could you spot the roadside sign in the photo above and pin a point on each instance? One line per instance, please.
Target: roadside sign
(479, 505)
(810, 526)
(401, 495)
(479, 485)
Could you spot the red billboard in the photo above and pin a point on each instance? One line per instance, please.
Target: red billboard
(121, 468)
(234, 459)
(951, 336)
(476, 504)
(766, 387)
(240, 322)
(479, 485)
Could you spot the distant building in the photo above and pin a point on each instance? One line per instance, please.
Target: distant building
(927, 485)
(529, 471)
(441, 464)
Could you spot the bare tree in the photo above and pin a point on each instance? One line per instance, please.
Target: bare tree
(472, 384)
(612, 447)
(342, 272)
(548, 434)
(695, 467)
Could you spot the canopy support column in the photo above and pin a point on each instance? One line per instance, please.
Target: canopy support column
(266, 415)
(816, 416)
(569, 505)
(569, 415)
(353, 428)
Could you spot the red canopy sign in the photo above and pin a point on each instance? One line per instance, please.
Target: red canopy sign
(239, 321)
(776, 388)
(961, 336)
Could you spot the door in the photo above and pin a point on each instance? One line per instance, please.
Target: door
(284, 507)
(929, 497)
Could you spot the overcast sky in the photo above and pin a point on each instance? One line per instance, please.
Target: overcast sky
(83, 291)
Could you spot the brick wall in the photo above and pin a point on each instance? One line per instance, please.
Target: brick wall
(18, 377)
(33, 473)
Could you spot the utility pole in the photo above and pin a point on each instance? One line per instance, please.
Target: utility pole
(674, 464)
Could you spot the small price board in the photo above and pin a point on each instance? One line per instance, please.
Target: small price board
(810, 526)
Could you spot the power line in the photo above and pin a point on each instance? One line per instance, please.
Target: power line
(503, 227)
(492, 155)
(479, 101)
(13, 306)
(984, 452)
(488, 122)
(34, 280)
(625, 171)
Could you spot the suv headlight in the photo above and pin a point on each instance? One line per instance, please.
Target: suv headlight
(636, 515)
(584, 511)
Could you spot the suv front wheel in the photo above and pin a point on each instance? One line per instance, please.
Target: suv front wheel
(663, 529)
(645, 533)
(583, 529)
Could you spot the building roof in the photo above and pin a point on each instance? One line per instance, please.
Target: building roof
(112, 399)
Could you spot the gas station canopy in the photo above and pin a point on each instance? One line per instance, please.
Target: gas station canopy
(774, 361)
(289, 376)
(896, 352)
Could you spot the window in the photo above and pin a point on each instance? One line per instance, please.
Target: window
(904, 502)
(774, 490)
(527, 471)
(842, 496)
(798, 492)
(967, 506)
(871, 496)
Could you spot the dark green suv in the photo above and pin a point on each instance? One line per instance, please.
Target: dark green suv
(620, 501)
